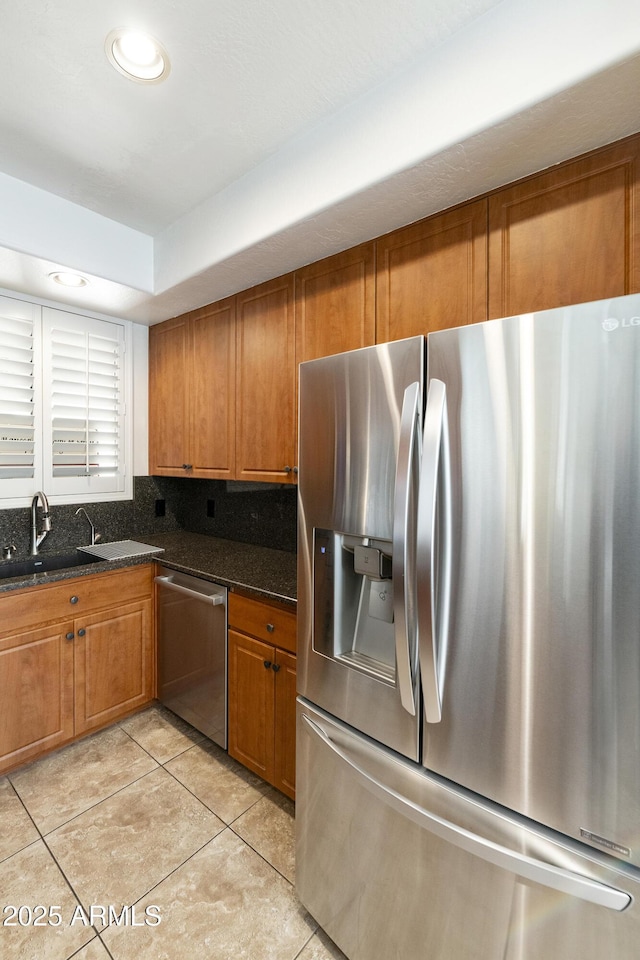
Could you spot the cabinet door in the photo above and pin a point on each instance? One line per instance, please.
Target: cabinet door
(569, 235)
(335, 304)
(251, 703)
(285, 730)
(433, 274)
(168, 398)
(265, 415)
(114, 664)
(36, 693)
(212, 393)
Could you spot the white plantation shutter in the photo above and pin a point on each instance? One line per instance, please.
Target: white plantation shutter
(20, 425)
(84, 444)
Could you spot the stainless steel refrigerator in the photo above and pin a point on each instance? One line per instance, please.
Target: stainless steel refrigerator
(468, 731)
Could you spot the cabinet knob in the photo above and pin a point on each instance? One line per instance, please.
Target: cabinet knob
(73, 599)
(81, 632)
(187, 466)
(70, 636)
(295, 470)
(270, 628)
(275, 667)
(287, 469)
(267, 663)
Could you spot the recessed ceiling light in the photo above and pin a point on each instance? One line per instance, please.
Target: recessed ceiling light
(68, 279)
(137, 56)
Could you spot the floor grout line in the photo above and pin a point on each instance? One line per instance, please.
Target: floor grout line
(232, 826)
(98, 802)
(69, 883)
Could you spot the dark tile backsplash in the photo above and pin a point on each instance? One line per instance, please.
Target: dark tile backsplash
(258, 513)
(262, 514)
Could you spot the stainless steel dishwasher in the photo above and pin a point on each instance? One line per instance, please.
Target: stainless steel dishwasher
(192, 651)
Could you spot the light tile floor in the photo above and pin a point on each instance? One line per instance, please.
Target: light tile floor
(149, 816)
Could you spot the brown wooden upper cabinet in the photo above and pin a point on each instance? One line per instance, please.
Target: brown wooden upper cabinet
(325, 308)
(168, 397)
(433, 274)
(568, 235)
(192, 369)
(266, 376)
(335, 304)
(223, 384)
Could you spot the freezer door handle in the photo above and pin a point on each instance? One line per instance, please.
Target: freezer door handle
(546, 874)
(433, 555)
(213, 599)
(403, 568)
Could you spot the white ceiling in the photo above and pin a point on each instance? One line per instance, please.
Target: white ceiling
(287, 130)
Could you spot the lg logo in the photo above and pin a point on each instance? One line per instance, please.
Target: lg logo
(612, 324)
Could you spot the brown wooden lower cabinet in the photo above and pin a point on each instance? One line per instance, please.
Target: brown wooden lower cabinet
(62, 676)
(113, 661)
(285, 724)
(262, 691)
(36, 693)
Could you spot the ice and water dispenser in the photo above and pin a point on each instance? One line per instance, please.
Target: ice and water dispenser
(353, 602)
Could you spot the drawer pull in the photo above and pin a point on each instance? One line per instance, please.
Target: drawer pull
(270, 628)
(70, 636)
(73, 599)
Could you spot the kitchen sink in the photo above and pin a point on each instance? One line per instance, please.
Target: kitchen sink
(44, 564)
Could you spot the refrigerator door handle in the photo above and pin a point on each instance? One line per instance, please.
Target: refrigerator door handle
(433, 556)
(546, 874)
(403, 564)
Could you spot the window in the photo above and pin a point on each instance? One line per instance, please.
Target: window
(63, 384)
(84, 400)
(20, 406)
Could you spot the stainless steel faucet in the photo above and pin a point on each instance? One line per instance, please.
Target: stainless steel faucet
(35, 537)
(94, 536)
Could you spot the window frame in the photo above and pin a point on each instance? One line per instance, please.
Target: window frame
(71, 489)
(20, 310)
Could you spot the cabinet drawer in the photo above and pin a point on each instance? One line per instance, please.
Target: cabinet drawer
(47, 603)
(274, 624)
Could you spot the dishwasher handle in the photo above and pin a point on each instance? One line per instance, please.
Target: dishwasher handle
(213, 599)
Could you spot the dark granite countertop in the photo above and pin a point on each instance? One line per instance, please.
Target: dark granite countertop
(260, 570)
(267, 573)
(67, 573)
